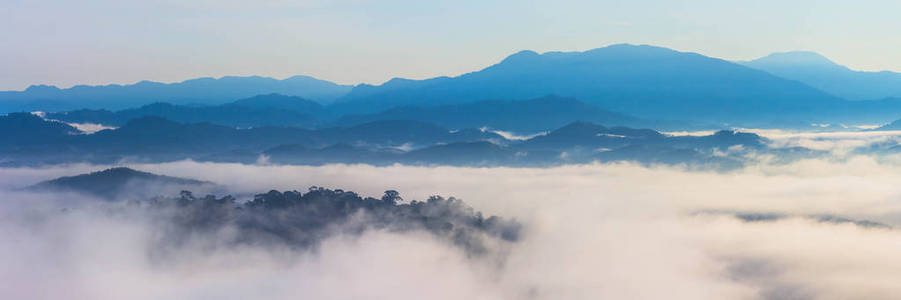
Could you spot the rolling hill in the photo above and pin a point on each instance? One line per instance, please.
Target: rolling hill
(117, 183)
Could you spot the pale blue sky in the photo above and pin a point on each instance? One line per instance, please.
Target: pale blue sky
(65, 42)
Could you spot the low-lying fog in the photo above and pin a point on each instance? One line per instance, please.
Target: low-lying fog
(812, 229)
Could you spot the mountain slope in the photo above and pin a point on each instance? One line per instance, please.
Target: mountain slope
(519, 116)
(261, 110)
(279, 101)
(819, 72)
(643, 81)
(19, 129)
(895, 125)
(200, 91)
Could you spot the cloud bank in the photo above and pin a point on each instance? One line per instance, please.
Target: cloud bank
(599, 231)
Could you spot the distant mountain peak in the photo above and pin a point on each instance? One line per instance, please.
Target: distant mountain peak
(641, 80)
(525, 53)
(42, 88)
(521, 55)
(819, 72)
(798, 58)
(398, 80)
(526, 56)
(631, 47)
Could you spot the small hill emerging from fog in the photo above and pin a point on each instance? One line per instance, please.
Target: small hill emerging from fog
(115, 182)
(303, 219)
(294, 219)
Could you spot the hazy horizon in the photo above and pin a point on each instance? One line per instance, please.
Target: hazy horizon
(418, 78)
(348, 42)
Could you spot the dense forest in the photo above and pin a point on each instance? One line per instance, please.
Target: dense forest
(300, 220)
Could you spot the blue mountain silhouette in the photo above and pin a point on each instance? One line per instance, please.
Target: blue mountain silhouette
(644, 81)
(817, 71)
(261, 110)
(209, 91)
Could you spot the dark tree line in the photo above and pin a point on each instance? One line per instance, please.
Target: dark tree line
(302, 220)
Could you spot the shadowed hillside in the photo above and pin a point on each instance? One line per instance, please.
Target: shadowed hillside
(117, 182)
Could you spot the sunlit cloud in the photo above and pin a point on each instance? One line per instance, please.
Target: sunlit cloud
(591, 231)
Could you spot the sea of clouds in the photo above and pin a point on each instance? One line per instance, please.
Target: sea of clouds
(597, 231)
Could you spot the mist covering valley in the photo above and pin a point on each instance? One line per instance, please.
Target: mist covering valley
(622, 172)
(621, 230)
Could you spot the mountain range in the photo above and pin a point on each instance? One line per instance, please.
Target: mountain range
(613, 85)
(209, 91)
(153, 139)
(261, 110)
(524, 116)
(156, 139)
